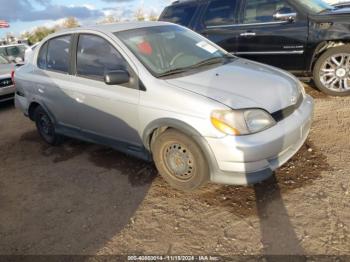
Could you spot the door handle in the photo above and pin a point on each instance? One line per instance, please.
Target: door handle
(248, 34)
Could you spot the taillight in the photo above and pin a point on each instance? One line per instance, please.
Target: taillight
(13, 77)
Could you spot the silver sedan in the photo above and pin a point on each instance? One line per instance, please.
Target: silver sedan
(163, 93)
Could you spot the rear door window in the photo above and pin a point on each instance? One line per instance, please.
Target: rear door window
(220, 12)
(58, 58)
(179, 14)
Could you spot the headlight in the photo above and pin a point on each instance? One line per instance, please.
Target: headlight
(241, 122)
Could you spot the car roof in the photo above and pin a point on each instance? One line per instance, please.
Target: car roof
(12, 45)
(118, 27)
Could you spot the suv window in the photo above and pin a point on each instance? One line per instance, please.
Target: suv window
(57, 58)
(96, 57)
(220, 12)
(180, 14)
(262, 11)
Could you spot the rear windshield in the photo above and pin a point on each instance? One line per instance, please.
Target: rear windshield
(179, 14)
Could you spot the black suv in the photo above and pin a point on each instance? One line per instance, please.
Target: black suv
(309, 38)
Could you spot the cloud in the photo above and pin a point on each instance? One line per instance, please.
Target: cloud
(23, 10)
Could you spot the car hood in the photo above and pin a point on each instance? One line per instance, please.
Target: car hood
(339, 11)
(5, 69)
(336, 15)
(243, 84)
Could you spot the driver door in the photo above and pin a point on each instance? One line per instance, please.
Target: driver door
(265, 38)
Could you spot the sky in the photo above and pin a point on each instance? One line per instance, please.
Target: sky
(25, 15)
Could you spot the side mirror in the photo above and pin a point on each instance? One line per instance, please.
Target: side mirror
(285, 14)
(117, 77)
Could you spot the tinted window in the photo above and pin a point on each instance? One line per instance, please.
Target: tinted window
(58, 54)
(262, 11)
(181, 15)
(220, 12)
(96, 57)
(42, 57)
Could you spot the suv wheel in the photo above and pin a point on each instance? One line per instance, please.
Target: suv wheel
(332, 71)
(180, 161)
(46, 127)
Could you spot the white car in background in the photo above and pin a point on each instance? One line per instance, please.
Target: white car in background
(14, 53)
(7, 88)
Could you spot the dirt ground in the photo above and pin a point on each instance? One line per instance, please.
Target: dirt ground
(86, 199)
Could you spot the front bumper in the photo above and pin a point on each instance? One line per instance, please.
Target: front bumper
(7, 93)
(250, 159)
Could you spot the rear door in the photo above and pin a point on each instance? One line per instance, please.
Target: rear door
(263, 38)
(51, 80)
(218, 23)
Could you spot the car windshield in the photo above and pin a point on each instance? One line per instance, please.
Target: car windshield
(3, 60)
(315, 6)
(170, 49)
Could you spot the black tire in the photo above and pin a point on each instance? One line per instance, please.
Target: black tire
(46, 127)
(344, 49)
(180, 161)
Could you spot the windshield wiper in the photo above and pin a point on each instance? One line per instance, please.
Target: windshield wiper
(174, 71)
(209, 61)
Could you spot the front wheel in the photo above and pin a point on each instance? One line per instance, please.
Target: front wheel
(332, 71)
(180, 161)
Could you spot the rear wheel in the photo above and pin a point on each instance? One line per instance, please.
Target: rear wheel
(332, 71)
(46, 127)
(180, 160)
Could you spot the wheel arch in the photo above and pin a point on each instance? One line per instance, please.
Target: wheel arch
(158, 126)
(33, 105)
(323, 47)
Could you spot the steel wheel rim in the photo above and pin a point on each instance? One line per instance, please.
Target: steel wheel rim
(335, 73)
(46, 126)
(179, 161)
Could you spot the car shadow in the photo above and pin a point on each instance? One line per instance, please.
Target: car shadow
(7, 105)
(69, 199)
(265, 200)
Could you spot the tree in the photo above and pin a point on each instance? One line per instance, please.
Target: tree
(153, 16)
(109, 20)
(140, 14)
(39, 34)
(70, 22)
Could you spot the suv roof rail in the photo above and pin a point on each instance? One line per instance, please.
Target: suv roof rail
(184, 1)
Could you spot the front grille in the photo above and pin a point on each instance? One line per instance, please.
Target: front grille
(5, 82)
(284, 113)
